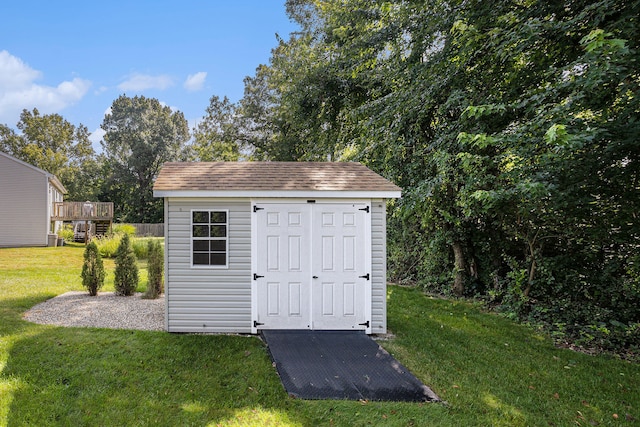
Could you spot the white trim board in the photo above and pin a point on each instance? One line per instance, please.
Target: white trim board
(318, 194)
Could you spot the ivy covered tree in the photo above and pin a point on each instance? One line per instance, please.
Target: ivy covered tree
(512, 129)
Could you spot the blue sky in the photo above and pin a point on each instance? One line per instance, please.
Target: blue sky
(75, 58)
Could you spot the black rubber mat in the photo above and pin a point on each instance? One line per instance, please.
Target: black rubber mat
(341, 365)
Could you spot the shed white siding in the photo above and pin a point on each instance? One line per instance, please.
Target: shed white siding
(24, 210)
(379, 267)
(208, 299)
(219, 300)
(232, 297)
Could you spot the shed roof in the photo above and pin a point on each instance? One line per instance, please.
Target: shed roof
(294, 179)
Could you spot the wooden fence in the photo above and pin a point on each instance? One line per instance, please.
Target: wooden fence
(154, 230)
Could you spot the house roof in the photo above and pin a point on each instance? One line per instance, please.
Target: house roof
(272, 179)
(50, 177)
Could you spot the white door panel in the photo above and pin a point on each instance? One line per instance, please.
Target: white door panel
(283, 294)
(340, 250)
(313, 266)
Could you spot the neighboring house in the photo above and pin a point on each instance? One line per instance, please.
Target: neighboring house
(27, 197)
(274, 245)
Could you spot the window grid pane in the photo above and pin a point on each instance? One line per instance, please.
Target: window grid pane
(218, 231)
(209, 238)
(218, 217)
(200, 217)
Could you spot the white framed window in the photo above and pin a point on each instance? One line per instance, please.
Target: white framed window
(210, 238)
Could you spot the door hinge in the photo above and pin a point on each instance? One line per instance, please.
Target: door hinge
(364, 324)
(256, 276)
(366, 276)
(256, 209)
(256, 323)
(366, 209)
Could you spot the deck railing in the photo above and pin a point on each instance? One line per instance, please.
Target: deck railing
(82, 211)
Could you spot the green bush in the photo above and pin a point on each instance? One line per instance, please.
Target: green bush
(155, 268)
(92, 269)
(126, 271)
(107, 245)
(66, 232)
(141, 247)
(119, 229)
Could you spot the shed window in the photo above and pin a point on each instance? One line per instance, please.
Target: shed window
(209, 241)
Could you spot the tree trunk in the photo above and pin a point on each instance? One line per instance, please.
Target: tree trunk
(458, 281)
(532, 275)
(532, 270)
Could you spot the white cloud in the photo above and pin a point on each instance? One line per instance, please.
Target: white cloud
(18, 90)
(195, 82)
(15, 73)
(95, 138)
(138, 82)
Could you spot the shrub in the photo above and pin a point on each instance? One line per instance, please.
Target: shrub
(66, 232)
(92, 269)
(141, 247)
(119, 229)
(155, 268)
(107, 245)
(126, 271)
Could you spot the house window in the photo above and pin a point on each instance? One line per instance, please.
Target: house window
(209, 238)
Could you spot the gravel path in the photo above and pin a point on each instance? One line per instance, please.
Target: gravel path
(106, 310)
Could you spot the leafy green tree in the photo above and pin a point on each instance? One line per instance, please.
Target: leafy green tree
(51, 143)
(511, 128)
(126, 271)
(216, 136)
(155, 285)
(92, 269)
(260, 125)
(140, 135)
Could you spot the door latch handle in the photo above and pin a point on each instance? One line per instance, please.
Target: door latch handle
(315, 277)
(366, 276)
(256, 276)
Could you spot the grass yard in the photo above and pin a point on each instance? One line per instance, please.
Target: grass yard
(489, 370)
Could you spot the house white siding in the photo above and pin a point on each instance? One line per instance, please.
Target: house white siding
(55, 196)
(208, 299)
(24, 219)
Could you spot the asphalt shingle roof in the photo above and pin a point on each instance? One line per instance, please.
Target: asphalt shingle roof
(270, 176)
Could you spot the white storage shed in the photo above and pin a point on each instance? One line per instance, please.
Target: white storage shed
(274, 245)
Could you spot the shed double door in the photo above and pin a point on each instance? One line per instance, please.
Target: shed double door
(312, 266)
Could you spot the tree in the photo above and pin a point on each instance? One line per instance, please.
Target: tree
(512, 130)
(140, 135)
(92, 269)
(260, 127)
(126, 271)
(51, 143)
(155, 284)
(216, 136)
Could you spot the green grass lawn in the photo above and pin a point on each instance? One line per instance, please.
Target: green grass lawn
(488, 370)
